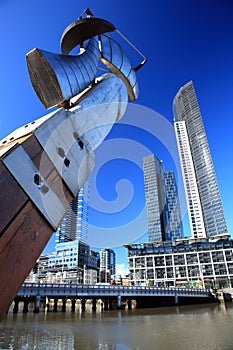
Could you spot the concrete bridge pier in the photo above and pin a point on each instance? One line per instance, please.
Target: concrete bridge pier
(73, 302)
(47, 304)
(176, 299)
(119, 302)
(129, 304)
(55, 304)
(94, 305)
(63, 305)
(83, 303)
(134, 303)
(16, 306)
(105, 301)
(37, 304)
(25, 305)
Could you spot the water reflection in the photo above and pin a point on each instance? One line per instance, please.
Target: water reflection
(177, 328)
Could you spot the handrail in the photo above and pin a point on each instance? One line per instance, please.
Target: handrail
(109, 289)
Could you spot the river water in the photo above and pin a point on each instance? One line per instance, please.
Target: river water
(208, 327)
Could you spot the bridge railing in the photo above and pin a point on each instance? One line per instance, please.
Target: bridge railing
(111, 290)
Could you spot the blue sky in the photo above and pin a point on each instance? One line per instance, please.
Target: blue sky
(183, 40)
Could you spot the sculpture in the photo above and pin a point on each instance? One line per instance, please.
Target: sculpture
(44, 164)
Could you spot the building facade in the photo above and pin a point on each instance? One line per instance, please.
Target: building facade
(72, 262)
(75, 223)
(202, 194)
(186, 262)
(162, 205)
(107, 264)
(174, 229)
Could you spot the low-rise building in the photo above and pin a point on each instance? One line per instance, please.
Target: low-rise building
(72, 262)
(204, 262)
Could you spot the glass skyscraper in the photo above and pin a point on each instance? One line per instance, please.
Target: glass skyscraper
(202, 194)
(174, 228)
(74, 225)
(162, 206)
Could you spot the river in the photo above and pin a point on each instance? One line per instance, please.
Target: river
(208, 327)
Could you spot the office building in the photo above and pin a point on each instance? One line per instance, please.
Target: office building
(202, 194)
(72, 262)
(107, 264)
(74, 226)
(174, 229)
(162, 205)
(155, 199)
(75, 260)
(204, 262)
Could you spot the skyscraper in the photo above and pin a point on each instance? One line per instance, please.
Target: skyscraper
(73, 256)
(75, 223)
(107, 264)
(174, 229)
(155, 200)
(162, 206)
(202, 194)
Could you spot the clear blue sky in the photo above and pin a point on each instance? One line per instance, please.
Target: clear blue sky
(182, 40)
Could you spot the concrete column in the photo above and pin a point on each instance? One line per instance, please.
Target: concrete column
(47, 304)
(16, 306)
(176, 299)
(94, 305)
(63, 305)
(73, 301)
(105, 305)
(25, 305)
(134, 304)
(55, 305)
(118, 302)
(83, 301)
(37, 304)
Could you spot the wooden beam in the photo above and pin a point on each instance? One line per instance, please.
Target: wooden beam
(24, 232)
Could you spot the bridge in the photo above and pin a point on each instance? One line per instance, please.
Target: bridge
(93, 291)
(145, 296)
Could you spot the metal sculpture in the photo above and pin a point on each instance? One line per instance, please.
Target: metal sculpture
(44, 164)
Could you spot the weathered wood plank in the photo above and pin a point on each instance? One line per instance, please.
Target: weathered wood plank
(24, 232)
(12, 197)
(47, 169)
(29, 234)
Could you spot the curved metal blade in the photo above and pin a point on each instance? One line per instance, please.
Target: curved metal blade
(114, 57)
(57, 78)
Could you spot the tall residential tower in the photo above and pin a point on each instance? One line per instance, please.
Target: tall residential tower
(202, 194)
(107, 264)
(162, 206)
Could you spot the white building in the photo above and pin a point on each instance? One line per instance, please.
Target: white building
(199, 262)
(202, 194)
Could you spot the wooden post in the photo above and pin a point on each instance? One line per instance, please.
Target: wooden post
(24, 231)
